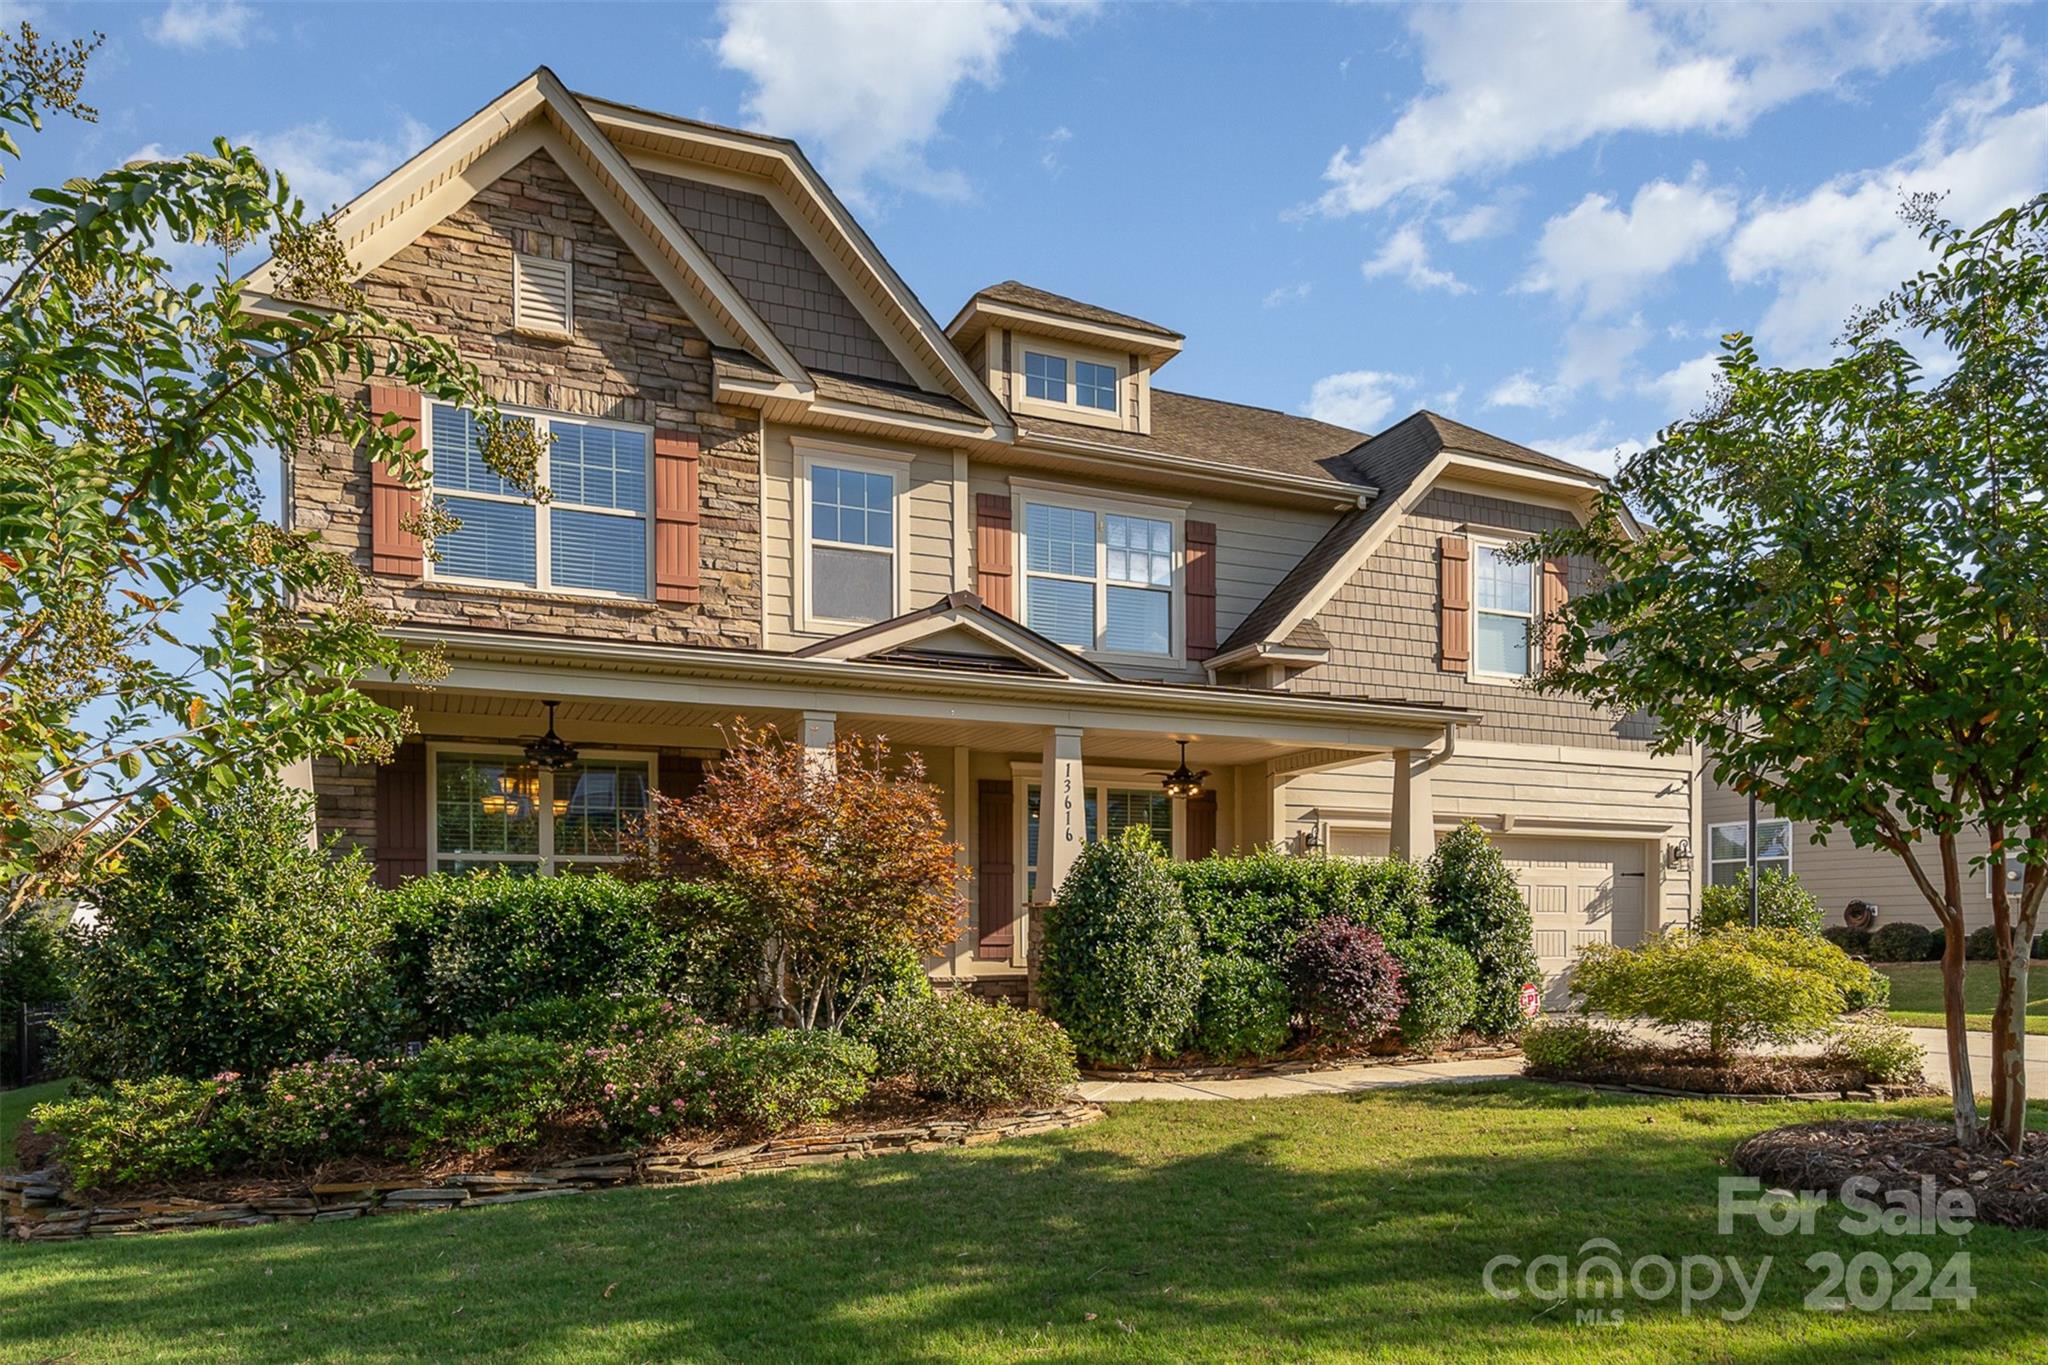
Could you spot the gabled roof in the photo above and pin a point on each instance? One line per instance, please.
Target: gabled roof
(1403, 461)
(1217, 432)
(959, 632)
(1059, 305)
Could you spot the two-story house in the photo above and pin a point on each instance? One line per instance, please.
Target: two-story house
(782, 489)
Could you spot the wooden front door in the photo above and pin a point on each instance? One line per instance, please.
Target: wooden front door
(995, 873)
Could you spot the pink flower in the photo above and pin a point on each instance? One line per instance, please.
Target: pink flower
(610, 1090)
(654, 1109)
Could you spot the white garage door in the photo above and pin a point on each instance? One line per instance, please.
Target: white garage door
(1580, 891)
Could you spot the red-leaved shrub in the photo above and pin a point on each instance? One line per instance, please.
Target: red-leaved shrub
(1346, 984)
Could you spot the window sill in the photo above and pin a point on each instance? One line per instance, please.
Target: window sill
(443, 588)
(1498, 679)
(544, 334)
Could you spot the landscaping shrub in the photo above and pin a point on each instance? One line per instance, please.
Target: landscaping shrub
(1900, 942)
(1120, 969)
(1860, 985)
(1479, 908)
(1254, 905)
(581, 1018)
(468, 947)
(147, 1132)
(227, 944)
(1855, 942)
(1981, 945)
(763, 1082)
(1442, 982)
(643, 1084)
(1937, 943)
(2040, 949)
(959, 1050)
(1781, 903)
(1883, 1051)
(319, 1111)
(1346, 985)
(1569, 1047)
(1244, 1009)
(474, 1093)
(1730, 989)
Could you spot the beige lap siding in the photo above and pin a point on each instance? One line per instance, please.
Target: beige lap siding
(634, 358)
(1384, 638)
(1838, 872)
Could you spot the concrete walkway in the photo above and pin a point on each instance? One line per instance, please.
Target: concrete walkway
(1351, 1079)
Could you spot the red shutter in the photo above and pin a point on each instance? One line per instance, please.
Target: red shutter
(1201, 538)
(1556, 581)
(1201, 811)
(1454, 610)
(678, 776)
(401, 816)
(394, 548)
(995, 873)
(675, 517)
(994, 553)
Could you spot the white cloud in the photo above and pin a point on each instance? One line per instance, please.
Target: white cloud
(1599, 354)
(1596, 448)
(326, 168)
(1359, 399)
(1406, 255)
(1842, 245)
(1481, 220)
(1601, 258)
(1684, 387)
(1508, 83)
(1448, 399)
(1286, 294)
(1523, 390)
(1050, 144)
(196, 24)
(868, 84)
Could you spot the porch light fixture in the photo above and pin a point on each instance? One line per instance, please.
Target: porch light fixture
(550, 750)
(1181, 784)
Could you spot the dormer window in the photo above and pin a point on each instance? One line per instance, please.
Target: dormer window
(1095, 386)
(1045, 380)
(1045, 377)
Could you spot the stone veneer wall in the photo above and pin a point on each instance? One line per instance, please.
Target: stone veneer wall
(635, 357)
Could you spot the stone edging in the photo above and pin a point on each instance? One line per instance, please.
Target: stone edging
(1876, 1094)
(1490, 1052)
(34, 1207)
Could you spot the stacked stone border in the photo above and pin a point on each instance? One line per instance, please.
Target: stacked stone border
(37, 1208)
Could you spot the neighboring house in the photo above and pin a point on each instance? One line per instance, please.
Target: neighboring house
(1837, 871)
(781, 489)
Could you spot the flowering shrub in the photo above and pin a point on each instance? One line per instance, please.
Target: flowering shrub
(318, 1111)
(144, 1132)
(473, 1094)
(960, 1050)
(1244, 1009)
(646, 1079)
(1346, 984)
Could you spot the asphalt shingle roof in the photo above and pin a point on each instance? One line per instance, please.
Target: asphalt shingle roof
(1045, 301)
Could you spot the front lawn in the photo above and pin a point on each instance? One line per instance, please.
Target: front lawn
(1272, 1229)
(14, 1107)
(1916, 993)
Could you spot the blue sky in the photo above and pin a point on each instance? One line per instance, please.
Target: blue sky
(1538, 219)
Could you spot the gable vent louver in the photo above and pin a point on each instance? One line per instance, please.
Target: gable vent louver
(542, 295)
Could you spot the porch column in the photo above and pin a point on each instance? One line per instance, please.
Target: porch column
(1414, 834)
(819, 732)
(1062, 809)
(298, 777)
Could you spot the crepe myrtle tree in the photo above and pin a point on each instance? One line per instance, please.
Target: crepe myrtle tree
(1839, 587)
(159, 635)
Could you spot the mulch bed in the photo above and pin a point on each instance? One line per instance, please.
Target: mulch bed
(1902, 1154)
(1664, 1071)
(1307, 1057)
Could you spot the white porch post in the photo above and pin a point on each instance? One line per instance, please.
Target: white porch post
(298, 776)
(819, 732)
(1062, 809)
(1414, 834)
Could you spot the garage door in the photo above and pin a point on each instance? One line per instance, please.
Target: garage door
(1580, 891)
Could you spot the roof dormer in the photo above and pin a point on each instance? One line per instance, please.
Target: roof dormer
(1045, 355)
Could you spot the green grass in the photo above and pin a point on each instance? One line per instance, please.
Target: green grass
(1916, 993)
(14, 1107)
(1270, 1230)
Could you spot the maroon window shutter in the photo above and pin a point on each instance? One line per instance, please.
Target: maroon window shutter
(394, 508)
(1201, 538)
(995, 874)
(678, 776)
(994, 553)
(675, 517)
(1556, 586)
(1201, 826)
(1454, 610)
(402, 816)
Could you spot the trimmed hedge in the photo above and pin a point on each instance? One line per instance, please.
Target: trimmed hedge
(1120, 968)
(1442, 982)
(1244, 1010)
(1346, 984)
(1480, 909)
(1853, 941)
(1900, 942)
(1254, 905)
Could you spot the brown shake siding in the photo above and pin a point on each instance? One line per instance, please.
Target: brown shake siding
(635, 357)
(1382, 626)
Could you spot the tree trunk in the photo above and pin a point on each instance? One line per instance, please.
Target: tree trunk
(1956, 1026)
(2009, 1050)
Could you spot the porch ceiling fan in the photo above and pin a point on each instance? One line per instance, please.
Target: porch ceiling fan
(1181, 784)
(550, 750)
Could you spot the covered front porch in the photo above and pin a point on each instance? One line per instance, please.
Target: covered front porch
(1029, 767)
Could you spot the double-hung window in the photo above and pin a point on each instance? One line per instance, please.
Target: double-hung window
(493, 809)
(591, 536)
(852, 540)
(1045, 377)
(1095, 386)
(1728, 850)
(1146, 808)
(1503, 613)
(1099, 580)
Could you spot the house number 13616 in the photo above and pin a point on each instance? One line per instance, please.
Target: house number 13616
(1067, 807)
